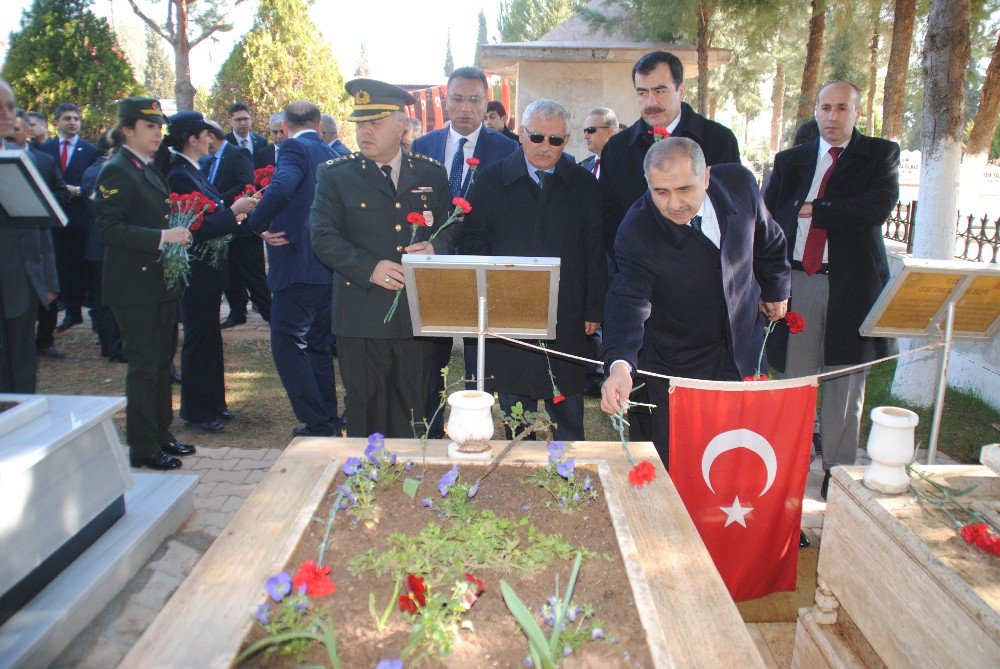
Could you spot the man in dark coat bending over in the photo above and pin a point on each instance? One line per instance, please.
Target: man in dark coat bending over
(701, 263)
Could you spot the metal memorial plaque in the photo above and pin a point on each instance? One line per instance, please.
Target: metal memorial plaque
(25, 199)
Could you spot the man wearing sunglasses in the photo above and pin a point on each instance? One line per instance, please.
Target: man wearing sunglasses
(464, 137)
(601, 123)
(538, 202)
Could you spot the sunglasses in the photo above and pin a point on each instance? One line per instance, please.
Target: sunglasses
(592, 129)
(554, 140)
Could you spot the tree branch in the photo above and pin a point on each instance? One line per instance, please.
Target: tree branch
(205, 33)
(170, 38)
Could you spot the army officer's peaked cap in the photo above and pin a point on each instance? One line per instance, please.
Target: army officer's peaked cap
(141, 109)
(375, 99)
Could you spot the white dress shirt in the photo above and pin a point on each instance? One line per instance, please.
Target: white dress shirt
(451, 146)
(823, 162)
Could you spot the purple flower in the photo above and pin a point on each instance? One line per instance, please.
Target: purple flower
(473, 490)
(565, 469)
(576, 497)
(302, 589)
(389, 664)
(301, 605)
(263, 614)
(375, 444)
(409, 465)
(448, 480)
(343, 504)
(374, 474)
(348, 493)
(351, 466)
(566, 651)
(279, 585)
(588, 483)
(596, 633)
(525, 507)
(572, 612)
(392, 459)
(528, 662)
(555, 451)
(426, 501)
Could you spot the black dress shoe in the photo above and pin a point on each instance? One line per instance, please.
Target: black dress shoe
(207, 426)
(231, 322)
(177, 448)
(51, 352)
(306, 431)
(825, 488)
(803, 540)
(117, 357)
(68, 321)
(160, 461)
(226, 414)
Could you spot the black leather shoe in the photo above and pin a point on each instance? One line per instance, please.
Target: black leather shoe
(231, 322)
(51, 352)
(306, 431)
(68, 321)
(117, 357)
(825, 488)
(226, 414)
(177, 448)
(803, 540)
(206, 426)
(160, 461)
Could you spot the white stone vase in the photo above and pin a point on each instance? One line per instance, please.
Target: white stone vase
(470, 423)
(890, 446)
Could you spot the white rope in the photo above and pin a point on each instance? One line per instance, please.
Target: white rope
(642, 372)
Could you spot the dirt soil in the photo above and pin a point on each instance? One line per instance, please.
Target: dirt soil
(496, 641)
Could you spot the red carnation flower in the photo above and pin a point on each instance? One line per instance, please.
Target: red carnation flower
(558, 398)
(416, 218)
(462, 204)
(197, 224)
(416, 595)
(795, 322)
(642, 473)
(472, 162)
(315, 579)
(988, 543)
(660, 131)
(470, 598)
(971, 532)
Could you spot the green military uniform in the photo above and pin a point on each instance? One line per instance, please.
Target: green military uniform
(358, 220)
(132, 209)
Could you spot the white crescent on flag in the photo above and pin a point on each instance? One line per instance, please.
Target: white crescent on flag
(741, 438)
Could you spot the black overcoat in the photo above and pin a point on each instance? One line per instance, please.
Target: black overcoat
(511, 216)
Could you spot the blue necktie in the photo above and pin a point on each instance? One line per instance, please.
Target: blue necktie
(696, 223)
(457, 167)
(207, 168)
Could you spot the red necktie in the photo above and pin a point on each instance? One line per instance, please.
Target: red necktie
(812, 255)
(64, 157)
(597, 166)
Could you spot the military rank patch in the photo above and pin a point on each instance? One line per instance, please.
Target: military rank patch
(106, 193)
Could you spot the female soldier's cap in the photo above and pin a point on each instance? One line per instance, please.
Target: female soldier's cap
(375, 99)
(141, 109)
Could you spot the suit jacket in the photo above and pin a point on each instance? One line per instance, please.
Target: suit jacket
(511, 216)
(84, 156)
(859, 196)
(655, 297)
(133, 207)
(94, 251)
(339, 148)
(264, 156)
(622, 179)
(357, 221)
(185, 178)
(510, 134)
(588, 163)
(234, 173)
(257, 140)
(285, 208)
(491, 147)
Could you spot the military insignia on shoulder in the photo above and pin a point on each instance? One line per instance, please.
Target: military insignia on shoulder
(424, 158)
(106, 193)
(341, 159)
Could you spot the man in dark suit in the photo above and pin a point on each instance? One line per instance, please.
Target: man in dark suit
(699, 259)
(330, 134)
(301, 341)
(831, 196)
(240, 134)
(464, 137)
(536, 202)
(658, 78)
(73, 155)
(601, 123)
(267, 155)
(38, 128)
(27, 279)
(231, 170)
(46, 166)
(360, 231)
(496, 120)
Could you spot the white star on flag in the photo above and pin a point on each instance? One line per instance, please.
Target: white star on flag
(736, 513)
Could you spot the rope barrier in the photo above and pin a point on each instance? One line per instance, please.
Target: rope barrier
(642, 372)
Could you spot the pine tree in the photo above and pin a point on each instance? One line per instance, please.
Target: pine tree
(281, 59)
(158, 75)
(527, 20)
(362, 69)
(482, 37)
(64, 53)
(449, 60)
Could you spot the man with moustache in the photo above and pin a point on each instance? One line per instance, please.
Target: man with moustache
(831, 196)
(360, 231)
(464, 137)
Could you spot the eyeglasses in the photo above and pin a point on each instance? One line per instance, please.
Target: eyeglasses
(461, 99)
(554, 140)
(592, 129)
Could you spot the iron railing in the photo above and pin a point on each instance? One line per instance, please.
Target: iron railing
(976, 239)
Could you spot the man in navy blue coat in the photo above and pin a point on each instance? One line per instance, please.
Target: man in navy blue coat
(73, 155)
(301, 341)
(465, 105)
(701, 263)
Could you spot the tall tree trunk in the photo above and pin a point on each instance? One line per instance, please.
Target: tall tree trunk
(977, 151)
(713, 103)
(946, 55)
(183, 89)
(777, 105)
(872, 69)
(893, 97)
(810, 71)
(703, 12)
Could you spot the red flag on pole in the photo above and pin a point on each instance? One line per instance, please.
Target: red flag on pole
(739, 456)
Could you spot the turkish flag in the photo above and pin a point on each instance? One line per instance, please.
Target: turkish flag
(739, 457)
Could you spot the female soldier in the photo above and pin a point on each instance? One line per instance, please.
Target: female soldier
(203, 389)
(132, 214)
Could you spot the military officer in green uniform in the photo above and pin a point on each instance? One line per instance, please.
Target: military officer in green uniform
(132, 215)
(360, 231)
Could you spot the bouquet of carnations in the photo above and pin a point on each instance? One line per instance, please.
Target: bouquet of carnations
(186, 211)
(262, 177)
